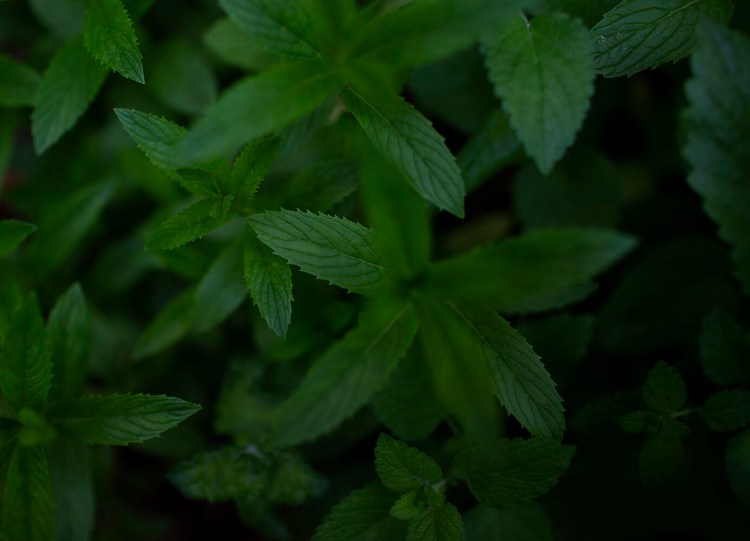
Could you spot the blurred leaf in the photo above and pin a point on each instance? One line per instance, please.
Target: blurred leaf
(221, 290)
(73, 483)
(12, 234)
(519, 523)
(182, 79)
(235, 47)
(110, 38)
(727, 410)
(661, 454)
(18, 83)
(664, 390)
(737, 464)
(64, 18)
(172, 323)
(724, 349)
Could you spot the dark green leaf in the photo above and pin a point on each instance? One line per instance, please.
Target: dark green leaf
(724, 349)
(403, 468)
(110, 38)
(639, 421)
(664, 389)
(437, 524)
(192, 223)
(737, 464)
(73, 482)
(221, 290)
(660, 456)
(235, 47)
(269, 281)
(172, 323)
(252, 165)
(12, 234)
(727, 410)
(519, 523)
(183, 79)
(18, 83)
(157, 137)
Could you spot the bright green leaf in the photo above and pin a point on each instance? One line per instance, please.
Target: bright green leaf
(664, 389)
(403, 468)
(121, 419)
(110, 38)
(543, 73)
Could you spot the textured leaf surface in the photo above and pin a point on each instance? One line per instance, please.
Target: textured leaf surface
(437, 524)
(727, 410)
(157, 137)
(513, 472)
(110, 38)
(543, 72)
(12, 234)
(68, 86)
(192, 223)
(28, 512)
(538, 271)
(718, 138)
(269, 280)
(121, 419)
(641, 34)
(361, 516)
(664, 389)
(522, 383)
(259, 105)
(24, 360)
(408, 139)
(278, 25)
(347, 376)
(18, 83)
(331, 248)
(403, 468)
(724, 349)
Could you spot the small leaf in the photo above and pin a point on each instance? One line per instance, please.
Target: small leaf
(68, 86)
(328, 247)
(361, 516)
(664, 389)
(221, 290)
(347, 376)
(408, 139)
(641, 34)
(543, 73)
(724, 349)
(110, 38)
(437, 524)
(403, 468)
(28, 512)
(18, 83)
(121, 419)
(407, 506)
(252, 165)
(12, 234)
(727, 410)
(269, 281)
(192, 223)
(157, 137)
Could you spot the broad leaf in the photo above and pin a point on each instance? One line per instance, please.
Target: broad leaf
(641, 34)
(403, 468)
(361, 516)
(664, 389)
(328, 247)
(408, 139)
(718, 137)
(437, 524)
(269, 280)
(724, 349)
(12, 234)
(28, 512)
(182, 78)
(537, 271)
(121, 419)
(157, 137)
(513, 472)
(73, 482)
(543, 73)
(259, 105)
(192, 223)
(236, 47)
(24, 360)
(221, 290)
(522, 383)
(110, 38)
(18, 83)
(68, 85)
(347, 376)
(727, 410)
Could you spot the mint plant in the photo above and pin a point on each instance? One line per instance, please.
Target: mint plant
(417, 260)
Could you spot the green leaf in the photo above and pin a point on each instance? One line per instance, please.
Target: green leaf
(157, 137)
(403, 468)
(538, 271)
(192, 223)
(292, 481)
(252, 165)
(221, 290)
(259, 105)
(408, 139)
(328, 247)
(512, 472)
(8, 444)
(35, 429)
(718, 141)
(661, 454)
(361, 516)
(407, 405)
(437, 524)
(235, 47)
(543, 73)
(69, 330)
(522, 383)
(269, 280)
(73, 483)
(24, 360)
(110, 38)
(278, 25)
(12, 234)
(639, 421)
(727, 410)
(172, 323)
(408, 506)
(724, 349)
(121, 419)
(347, 376)
(664, 389)
(519, 523)
(182, 78)
(68, 86)
(18, 83)
(28, 512)
(63, 18)
(199, 182)
(641, 34)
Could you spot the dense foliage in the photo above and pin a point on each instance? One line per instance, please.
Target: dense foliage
(423, 270)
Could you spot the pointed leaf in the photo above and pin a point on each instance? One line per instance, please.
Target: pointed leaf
(328, 247)
(403, 468)
(68, 86)
(18, 83)
(543, 73)
(641, 34)
(408, 139)
(269, 280)
(110, 38)
(664, 389)
(192, 223)
(121, 419)
(347, 376)
(252, 165)
(157, 137)
(437, 524)
(12, 234)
